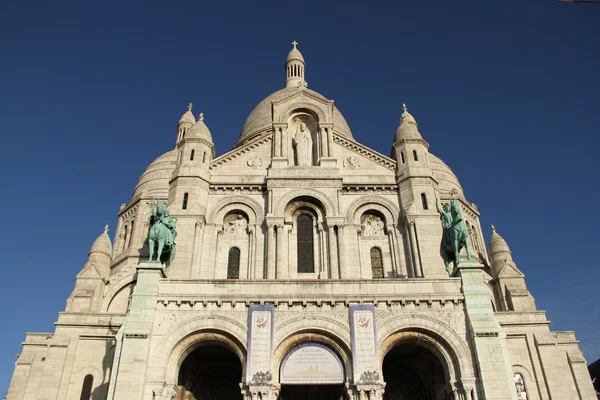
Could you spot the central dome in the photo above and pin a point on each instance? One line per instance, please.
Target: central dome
(260, 119)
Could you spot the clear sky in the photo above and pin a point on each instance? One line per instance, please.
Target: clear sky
(506, 93)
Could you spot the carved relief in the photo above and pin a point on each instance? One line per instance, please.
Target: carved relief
(351, 162)
(372, 227)
(235, 226)
(255, 162)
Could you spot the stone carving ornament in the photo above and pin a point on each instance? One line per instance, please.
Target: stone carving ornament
(351, 162)
(255, 162)
(236, 228)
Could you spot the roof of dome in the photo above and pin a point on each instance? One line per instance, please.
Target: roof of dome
(260, 119)
(497, 244)
(295, 54)
(155, 179)
(447, 182)
(199, 130)
(102, 244)
(408, 128)
(188, 117)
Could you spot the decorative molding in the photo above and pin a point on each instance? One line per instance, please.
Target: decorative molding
(486, 334)
(365, 152)
(240, 151)
(205, 142)
(128, 212)
(188, 180)
(237, 189)
(379, 189)
(136, 336)
(232, 200)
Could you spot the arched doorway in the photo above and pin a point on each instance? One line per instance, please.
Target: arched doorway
(412, 371)
(312, 371)
(210, 372)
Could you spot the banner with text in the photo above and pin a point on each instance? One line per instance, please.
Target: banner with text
(364, 344)
(260, 344)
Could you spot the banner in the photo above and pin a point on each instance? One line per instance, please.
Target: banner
(364, 344)
(260, 344)
(311, 364)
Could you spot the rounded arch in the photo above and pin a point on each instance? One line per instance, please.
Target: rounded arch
(529, 378)
(115, 289)
(310, 108)
(250, 206)
(384, 206)
(312, 335)
(281, 205)
(432, 332)
(187, 336)
(78, 378)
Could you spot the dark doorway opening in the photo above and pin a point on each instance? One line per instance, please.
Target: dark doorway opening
(313, 392)
(210, 372)
(413, 372)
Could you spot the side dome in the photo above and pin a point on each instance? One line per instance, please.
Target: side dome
(260, 119)
(448, 182)
(155, 179)
(102, 244)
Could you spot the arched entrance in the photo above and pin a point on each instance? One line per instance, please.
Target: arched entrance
(212, 371)
(412, 371)
(312, 371)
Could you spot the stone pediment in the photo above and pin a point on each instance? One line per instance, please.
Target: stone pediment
(247, 156)
(510, 270)
(303, 100)
(90, 271)
(364, 152)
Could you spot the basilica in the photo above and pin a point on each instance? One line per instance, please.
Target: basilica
(300, 264)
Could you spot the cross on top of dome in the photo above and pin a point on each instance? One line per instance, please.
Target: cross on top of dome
(295, 43)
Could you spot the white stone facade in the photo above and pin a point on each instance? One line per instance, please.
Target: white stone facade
(374, 232)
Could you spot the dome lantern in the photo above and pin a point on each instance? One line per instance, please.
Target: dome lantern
(295, 68)
(186, 121)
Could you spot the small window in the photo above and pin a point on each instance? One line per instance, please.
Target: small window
(204, 157)
(402, 157)
(520, 386)
(185, 201)
(415, 155)
(424, 201)
(192, 155)
(233, 264)
(376, 263)
(86, 390)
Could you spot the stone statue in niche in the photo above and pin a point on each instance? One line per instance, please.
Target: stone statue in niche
(303, 145)
(373, 226)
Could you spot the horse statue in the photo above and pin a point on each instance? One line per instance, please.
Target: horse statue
(162, 232)
(455, 236)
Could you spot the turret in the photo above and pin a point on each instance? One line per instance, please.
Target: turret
(90, 282)
(186, 121)
(295, 68)
(195, 152)
(417, 196)
(509, 280)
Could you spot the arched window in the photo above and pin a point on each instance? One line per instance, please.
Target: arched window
(306, 258)
(86, 390)
(520, 386)
(402, 157)
(192, 155)
(204, 157)
(185, 201)
(125, 236)
(424, 201)
(233, 263)
(415, 155)
(376, 263)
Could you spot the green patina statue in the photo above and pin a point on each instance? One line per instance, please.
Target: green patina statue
(455, 236)
(162, 231)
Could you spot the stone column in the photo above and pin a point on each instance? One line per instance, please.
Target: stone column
(390, 235)
(323, 136)
(414, 250)
(333, 252)
(279, 267)
(197, 249)
(250, 269)
(277, 142)
(323, 274)
(270, 252)
(330, 142)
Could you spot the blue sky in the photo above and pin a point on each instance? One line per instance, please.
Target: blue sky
(506, 93)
